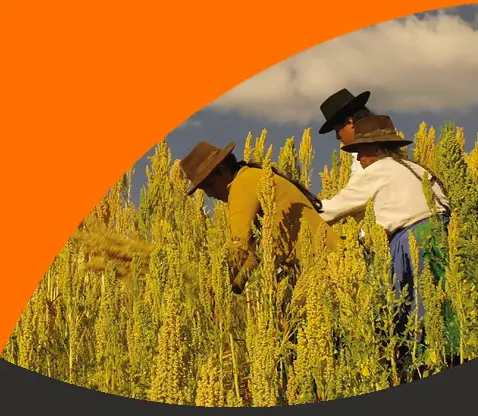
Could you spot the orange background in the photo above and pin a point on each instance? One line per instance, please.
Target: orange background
(88, 88)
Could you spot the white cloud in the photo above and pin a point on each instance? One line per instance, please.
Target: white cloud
(409, 64)
(191, 122)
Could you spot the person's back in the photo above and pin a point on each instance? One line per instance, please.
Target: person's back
(398, 194)
(291, 206)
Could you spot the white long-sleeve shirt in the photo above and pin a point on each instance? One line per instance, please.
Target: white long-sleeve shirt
(397, 195)
(356, 166)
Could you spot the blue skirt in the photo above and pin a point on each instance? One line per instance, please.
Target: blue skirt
(403, 268)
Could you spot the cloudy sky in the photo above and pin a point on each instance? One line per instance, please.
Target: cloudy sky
(422, 67)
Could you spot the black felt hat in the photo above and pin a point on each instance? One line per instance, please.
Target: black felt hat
(340, 105)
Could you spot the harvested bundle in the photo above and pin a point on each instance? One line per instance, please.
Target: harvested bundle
(110, 246)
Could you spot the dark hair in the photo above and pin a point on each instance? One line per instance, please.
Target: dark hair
(234, 166)
(360, 114)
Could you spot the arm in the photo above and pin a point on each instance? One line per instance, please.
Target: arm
(241, 270)
(243, 209)
(351, 200)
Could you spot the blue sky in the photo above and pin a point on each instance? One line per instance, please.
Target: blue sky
(419, 68)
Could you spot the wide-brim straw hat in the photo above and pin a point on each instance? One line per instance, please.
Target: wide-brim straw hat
(201, 162)
(340, 105)
(375, 129)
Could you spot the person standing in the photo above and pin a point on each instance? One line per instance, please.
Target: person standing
(395, 187)
(341, 111)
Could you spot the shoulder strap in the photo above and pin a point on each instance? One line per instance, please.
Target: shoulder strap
(433, 180)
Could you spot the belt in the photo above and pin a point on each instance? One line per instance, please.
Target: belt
(397, 231)
(443, 216)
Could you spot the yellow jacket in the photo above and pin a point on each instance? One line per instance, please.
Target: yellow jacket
(291, 205)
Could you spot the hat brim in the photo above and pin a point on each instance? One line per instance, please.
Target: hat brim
(388, 139)
(217, 161)
(358, 102)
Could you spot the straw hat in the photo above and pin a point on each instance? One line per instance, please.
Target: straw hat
(202, 160)
(375, 129)
(340, 105)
